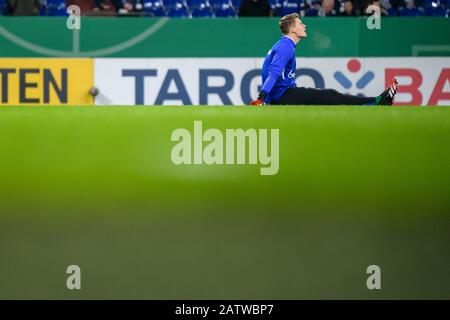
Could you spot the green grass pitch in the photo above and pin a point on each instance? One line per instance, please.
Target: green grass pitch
(95, 186)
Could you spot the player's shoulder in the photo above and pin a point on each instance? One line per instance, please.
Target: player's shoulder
(285, 43)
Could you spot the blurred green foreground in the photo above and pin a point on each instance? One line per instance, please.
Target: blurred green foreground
(96, 187)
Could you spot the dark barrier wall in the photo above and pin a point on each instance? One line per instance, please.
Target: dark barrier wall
(147, 37)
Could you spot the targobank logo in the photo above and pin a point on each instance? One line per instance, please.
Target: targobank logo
(354, 66)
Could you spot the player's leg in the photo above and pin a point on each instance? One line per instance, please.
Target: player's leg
(308, 96)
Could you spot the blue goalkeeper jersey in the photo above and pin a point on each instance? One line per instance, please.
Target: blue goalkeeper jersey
(278, 71)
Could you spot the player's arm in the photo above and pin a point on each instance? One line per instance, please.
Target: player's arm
(277, 66)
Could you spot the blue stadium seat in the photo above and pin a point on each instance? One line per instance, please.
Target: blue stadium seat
(194, 4)
(290, 6)
(436, 3)
(151, 3)
(435, 12)
(202, 11)
(312, 12)
(43, 10)
(413, 12)
(436, 8)
(225, 11)
(216, 4)
(392, 12)
(178, 11)
(56, 7)
(173, 3)
(236, 3)
(3, 7)
(154, 8)
(276, 5)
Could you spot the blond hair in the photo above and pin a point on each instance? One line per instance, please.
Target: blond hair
(287, 21)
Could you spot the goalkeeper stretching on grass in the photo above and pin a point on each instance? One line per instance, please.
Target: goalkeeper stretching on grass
(278, 74)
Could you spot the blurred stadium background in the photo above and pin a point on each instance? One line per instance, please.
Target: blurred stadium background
(95, 186)
(231, 8)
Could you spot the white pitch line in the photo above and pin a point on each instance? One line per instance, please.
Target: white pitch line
(95, 53)
(428, 48)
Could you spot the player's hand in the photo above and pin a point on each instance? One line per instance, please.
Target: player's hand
(259, 101)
